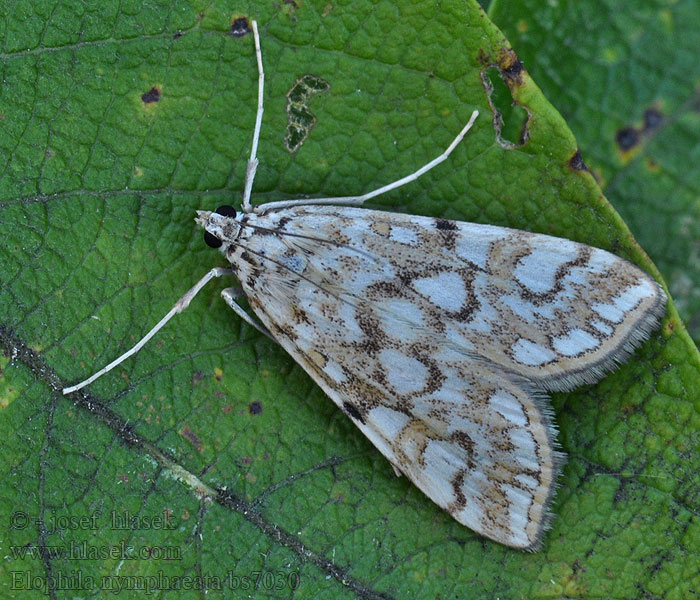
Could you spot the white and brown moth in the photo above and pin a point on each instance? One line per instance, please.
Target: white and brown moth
(439, 339)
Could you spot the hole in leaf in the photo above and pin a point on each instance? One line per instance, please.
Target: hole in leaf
(300, 120)
(510, 119)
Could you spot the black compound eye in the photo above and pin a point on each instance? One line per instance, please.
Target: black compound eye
(211, 240)
(226, 211)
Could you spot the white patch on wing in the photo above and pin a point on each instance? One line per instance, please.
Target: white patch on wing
(527, 481)
(443, 466)
(363, 278)
(455, 336)
(531, 354)
(474, 482)
(403, 318)
(578, 275)
(346, 313)
(334, 371)
(524, 449)
(575, 342)
(521, 308)
(403, 235)
(609, 312)
(509, 407)
(404, 373)
(625, 302)
(519, 502)
(601, 260)
(548, 311)
(602, 326)
(390, 422)
(487, 313)
(474, 242)
(538, 270)
(445, 290)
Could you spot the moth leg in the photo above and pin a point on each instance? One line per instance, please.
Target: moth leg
(180, 305)
(229, 295)
(359, 200)
(253, 160)
(397, 471)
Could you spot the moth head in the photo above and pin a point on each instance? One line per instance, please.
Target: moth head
(219, 226)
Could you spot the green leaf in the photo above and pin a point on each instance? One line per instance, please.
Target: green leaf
(232, 466)
(626, 78)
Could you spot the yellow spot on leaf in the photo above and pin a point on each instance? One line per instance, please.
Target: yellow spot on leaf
(666, 18)
(610, 55)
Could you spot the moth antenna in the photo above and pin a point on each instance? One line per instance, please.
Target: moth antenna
(180, 305)
(359, 200)
(424, 169)
(253, 160)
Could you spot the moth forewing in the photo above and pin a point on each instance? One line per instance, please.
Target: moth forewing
(438, 338)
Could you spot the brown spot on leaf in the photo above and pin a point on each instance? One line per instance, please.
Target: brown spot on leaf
(627, 138)
(255, 408)
(576, 162)
(513, 72)
(652, 119)
(240, 27)
(152, 95)
(188, 434)
(484, 58)
(652, 165)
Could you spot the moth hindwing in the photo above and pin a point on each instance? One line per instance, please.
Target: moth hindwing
(439, 339)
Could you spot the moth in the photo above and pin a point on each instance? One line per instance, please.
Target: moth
(439, 339)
